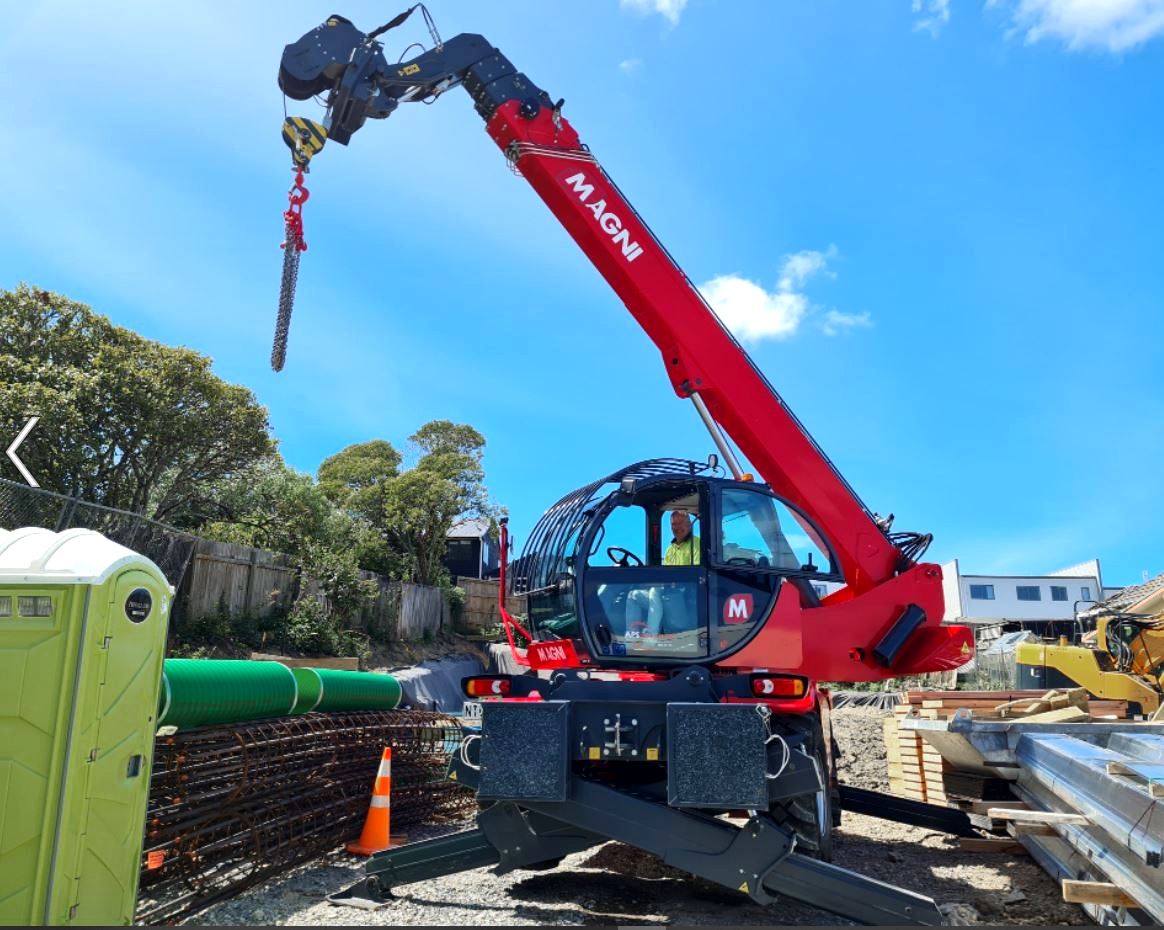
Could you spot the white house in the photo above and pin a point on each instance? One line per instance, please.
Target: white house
(991, 599)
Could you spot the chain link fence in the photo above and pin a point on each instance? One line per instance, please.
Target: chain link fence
(166, 547)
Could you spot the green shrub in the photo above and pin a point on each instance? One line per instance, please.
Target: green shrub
(351, 643)
(310, 630)
(456, 597)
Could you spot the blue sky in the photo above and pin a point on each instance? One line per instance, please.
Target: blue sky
(935, 223)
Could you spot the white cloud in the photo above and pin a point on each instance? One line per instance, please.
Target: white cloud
(800, 267)
(930, 16)
(631, 65)
(1114, 25)
(753, 312)
(670, 10)
(836, 322)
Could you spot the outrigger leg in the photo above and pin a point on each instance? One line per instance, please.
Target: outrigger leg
(757, 858)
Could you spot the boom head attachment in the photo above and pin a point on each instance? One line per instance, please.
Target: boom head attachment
(348, 65)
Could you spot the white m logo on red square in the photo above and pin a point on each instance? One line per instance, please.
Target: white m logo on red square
(737, 608)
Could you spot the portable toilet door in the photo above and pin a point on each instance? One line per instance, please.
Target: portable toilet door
(82, 640)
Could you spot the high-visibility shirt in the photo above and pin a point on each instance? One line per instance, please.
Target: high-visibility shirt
(683, 553)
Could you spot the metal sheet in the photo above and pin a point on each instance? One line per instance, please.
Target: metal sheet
(1104, 855)
(1076, 772)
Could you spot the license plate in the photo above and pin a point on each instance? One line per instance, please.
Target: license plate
(472, 711)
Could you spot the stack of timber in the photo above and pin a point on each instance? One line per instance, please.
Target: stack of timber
(918, 771)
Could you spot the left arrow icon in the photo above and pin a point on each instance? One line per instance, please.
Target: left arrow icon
(11, 450)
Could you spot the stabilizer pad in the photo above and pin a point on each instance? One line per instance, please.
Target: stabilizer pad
(525, 753)
(716, 757)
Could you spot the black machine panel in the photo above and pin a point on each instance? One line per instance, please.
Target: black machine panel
(525, 754)
(717, 756)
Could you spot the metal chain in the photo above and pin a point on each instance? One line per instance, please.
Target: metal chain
(293, 245)
(286, 299)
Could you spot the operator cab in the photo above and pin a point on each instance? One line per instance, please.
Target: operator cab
(665, 562)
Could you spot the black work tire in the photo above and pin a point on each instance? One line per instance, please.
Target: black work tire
(810, 815)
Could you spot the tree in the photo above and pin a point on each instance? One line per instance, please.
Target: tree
(356, 479)
(420, 508)
(412, 511)
(125, 421)
(272, 506)
(362, 467)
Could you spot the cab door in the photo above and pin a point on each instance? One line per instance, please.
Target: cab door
(759, 543)
(637, 604)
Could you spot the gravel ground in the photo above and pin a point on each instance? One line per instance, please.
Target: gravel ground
(862, 743)
(619, 885)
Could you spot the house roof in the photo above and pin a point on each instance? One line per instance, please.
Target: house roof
(1128, 598)
(470, 529)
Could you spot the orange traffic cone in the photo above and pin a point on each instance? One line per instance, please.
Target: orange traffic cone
(375, 837)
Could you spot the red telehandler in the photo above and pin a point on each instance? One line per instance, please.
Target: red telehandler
(667, 684)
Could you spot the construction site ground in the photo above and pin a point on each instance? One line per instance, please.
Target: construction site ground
(618, 885)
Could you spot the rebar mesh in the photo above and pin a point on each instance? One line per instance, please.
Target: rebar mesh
(233, 805)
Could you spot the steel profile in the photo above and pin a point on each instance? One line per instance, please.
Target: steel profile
(1076, 772)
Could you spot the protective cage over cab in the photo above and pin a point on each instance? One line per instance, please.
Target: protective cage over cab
(665, 562)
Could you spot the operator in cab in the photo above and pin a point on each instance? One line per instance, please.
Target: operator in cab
(669, 601)
(684, 548)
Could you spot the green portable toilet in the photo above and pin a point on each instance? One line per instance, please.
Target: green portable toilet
(82, 639)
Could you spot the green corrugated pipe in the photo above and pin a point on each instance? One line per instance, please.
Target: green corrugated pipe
(196, 692)
(310, 690)
(356, 690)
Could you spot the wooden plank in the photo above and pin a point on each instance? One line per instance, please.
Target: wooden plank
(1077, 892)
(1031, 829)
(1062, 715)
(999, 697)
(889, 732)
(1152, 774)
(1028, 816)
(345, 663)
(991, 845)
(983, 807)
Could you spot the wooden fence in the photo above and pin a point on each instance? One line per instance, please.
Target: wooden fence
(402, 611)
(235, 581)
(481, 609)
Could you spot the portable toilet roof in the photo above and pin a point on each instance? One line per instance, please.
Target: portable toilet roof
(73, 557)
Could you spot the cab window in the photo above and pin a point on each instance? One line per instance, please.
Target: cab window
(644, 592)
(758, 531)
(622, 540)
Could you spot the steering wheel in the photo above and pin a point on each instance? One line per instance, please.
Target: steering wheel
(623, 560)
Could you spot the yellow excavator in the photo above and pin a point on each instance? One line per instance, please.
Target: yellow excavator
(1122, 660)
